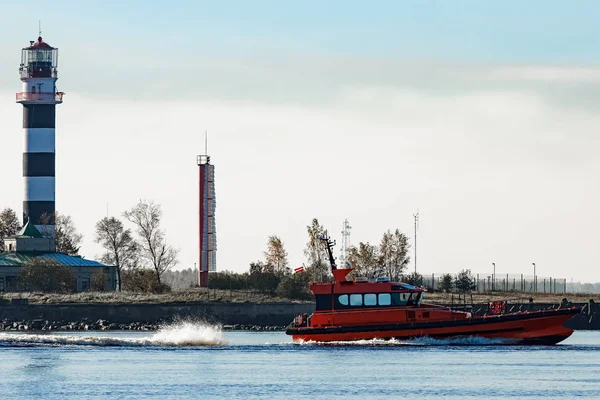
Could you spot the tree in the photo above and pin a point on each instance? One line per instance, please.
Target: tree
(318, 272)
(315, 248)
(294, 287)
(146, 216)
(393, 254)
(414, 278)
(9, 225)
(46, 275)
(464, 281)
(263, 277)
(364, 259)
(277, 256)
(446, 283)
(67, 239)
(122, 250)
(316, 253)
(99, 281)
(142, 280)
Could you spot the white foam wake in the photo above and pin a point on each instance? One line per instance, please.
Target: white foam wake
(178, 334)
(421, 341)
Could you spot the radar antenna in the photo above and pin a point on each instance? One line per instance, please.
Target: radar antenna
(329, 246)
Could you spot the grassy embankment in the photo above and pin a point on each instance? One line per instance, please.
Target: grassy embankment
(226, 296)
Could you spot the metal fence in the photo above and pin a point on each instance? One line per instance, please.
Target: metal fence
(504, 283)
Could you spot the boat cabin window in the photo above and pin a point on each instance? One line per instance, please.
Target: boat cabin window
(323, 302)
(343, 299)
(356, 300)
(406, 299)
(370, 299)
(384, 299)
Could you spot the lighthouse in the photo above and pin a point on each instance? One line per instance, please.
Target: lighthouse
(39, 97)
(207, 226)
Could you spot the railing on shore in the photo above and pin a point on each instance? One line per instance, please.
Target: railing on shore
(485, 283)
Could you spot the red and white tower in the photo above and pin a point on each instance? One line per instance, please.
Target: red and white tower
(207, 226)
(39, 97)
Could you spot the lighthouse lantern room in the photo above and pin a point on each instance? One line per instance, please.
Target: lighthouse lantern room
(39, 96)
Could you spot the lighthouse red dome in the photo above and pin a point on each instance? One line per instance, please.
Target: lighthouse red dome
(40, 44)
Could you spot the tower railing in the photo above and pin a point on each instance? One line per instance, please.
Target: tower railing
(39, 96)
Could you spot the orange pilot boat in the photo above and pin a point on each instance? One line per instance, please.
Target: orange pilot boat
(362, 309)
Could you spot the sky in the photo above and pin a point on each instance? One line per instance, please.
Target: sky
(480, 116)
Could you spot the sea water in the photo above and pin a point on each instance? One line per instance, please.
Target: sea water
(197, 361)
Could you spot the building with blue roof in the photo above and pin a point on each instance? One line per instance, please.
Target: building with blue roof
(29, 243)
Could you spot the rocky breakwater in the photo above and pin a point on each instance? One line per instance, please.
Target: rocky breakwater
(40, 325)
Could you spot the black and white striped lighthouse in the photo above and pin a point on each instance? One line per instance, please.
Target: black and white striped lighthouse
(38, 70)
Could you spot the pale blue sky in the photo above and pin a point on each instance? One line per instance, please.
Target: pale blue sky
(482, 115)
(507, 31)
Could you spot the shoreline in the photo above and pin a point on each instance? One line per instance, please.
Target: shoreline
(40, 326)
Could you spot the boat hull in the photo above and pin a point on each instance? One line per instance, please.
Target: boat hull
(535, 328)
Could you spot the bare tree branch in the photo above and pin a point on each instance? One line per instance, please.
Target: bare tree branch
(146, 216)
(122, 250)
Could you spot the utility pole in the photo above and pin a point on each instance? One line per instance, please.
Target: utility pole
(416, 217)
(534, 279)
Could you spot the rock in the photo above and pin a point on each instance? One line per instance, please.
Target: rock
(37, 324)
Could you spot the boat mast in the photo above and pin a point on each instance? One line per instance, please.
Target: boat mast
(329, 246)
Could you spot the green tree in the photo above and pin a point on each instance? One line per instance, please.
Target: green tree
(364, 259)
(277, 256)
(464, 281)
(154, 249)
(319, 271)
(295, 286)
(393, 254)
(263, 278)
(9, 225)
(414, 278)
(316, 254)
(46, 275)
(68, 240)
(446, 283)
(122, 250)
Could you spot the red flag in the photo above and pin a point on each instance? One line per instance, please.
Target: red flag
(299, 269)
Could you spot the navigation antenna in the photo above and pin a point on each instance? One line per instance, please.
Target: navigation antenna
(329, 246)
(40, 27)
(345, 243)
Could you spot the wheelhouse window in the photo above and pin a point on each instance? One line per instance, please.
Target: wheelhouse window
(356, 300)
(343, 299)
(416, 298)
(384, 299)
(370, 299)
(323, 302)
(400, 299)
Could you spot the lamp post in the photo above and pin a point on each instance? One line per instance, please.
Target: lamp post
(416, 217)
(534, 279)
(494, 277)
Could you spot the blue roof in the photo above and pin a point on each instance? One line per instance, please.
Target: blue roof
(18, 259)
(406, 286)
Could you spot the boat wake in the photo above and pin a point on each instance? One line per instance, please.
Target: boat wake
(421, 341)
(180, 334)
